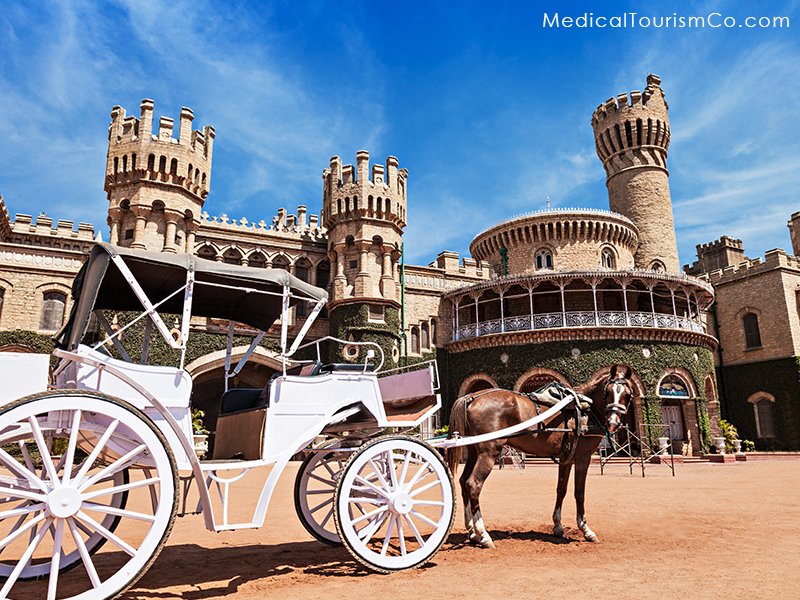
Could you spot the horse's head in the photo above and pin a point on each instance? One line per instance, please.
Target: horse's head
(617, 395)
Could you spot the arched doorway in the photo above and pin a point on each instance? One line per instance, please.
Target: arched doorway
(536, 378)
(676, 394)
(476, 383)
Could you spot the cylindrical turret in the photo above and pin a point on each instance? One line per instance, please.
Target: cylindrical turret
(156, 185)
(631, 138)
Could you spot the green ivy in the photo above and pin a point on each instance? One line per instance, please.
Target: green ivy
(594, 355)
(351, 322)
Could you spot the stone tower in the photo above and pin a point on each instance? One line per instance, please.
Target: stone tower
(364, 212)
(794, 232)
(156, 184)
(631, 138)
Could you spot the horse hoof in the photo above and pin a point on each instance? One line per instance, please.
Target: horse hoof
(489, 544)
(558, 532)
(591, 537)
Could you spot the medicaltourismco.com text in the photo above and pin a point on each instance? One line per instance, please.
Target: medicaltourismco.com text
(633, 20)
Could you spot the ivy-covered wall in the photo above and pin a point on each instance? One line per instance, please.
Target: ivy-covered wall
(351, 322)
(594, 355)
(781, 379)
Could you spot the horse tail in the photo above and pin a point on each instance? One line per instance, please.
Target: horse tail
(458, 423)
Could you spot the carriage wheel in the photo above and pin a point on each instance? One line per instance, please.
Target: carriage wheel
(93, 542)
(394, 503)
(55, 510)
(314, 490)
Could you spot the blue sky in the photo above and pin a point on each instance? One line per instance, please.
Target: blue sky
(487, 109)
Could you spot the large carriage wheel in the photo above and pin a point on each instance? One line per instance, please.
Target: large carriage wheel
(314, 489)
(394, 503)
(54, 509)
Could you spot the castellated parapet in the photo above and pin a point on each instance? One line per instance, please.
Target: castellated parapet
(794, 232)
(364, 213)
(719, 254)
(632, 136)
(156, 183)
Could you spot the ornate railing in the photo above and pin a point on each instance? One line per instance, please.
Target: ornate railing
(576, 319)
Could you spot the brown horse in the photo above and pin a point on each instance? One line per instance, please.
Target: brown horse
(571, 437)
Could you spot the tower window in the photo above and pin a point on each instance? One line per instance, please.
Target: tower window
(752, 333)
(53, 311)
(414, 340)
(128, 234)
(544, 260)
(426, 340)
(376, 313)
(607, 259)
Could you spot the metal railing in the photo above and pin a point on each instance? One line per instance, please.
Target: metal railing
(571, 319)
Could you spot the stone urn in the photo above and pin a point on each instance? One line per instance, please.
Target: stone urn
(737, 446)
(200, 444)
(719, 444)
(663, 444)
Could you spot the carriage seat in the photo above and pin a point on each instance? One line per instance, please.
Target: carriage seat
(239, 399)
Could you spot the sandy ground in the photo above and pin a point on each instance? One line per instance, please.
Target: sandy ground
(713, 531)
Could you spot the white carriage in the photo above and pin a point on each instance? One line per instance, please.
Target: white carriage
(102, 457)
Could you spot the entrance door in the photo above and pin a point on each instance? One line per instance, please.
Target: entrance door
(673, 418)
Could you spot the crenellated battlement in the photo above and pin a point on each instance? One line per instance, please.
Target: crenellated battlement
(639, 122)
(43, 230)
(137, 154)
(362, 192)
(300, 225)
(773, 259)
(720, 244)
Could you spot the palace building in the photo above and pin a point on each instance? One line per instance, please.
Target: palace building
(558, 294)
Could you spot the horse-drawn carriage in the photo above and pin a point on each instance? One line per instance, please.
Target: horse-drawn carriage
(101, 457)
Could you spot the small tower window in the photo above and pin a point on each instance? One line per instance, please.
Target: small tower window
(414, 340)
(658, 266)
(752, 333)
(162, 164)
(426, 340)
(433, 333)
(607, 259)
(376, 313)
(151, 162)
(53, 311)
(765, 418)
(544, 260)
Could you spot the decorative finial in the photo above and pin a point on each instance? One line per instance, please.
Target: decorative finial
(548, 202)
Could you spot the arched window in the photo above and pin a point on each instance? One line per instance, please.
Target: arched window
(415, 340)
(162, 164)
(232, 257)
(280, 262)
(207, 252)
(301, 269)
(478, 385)
(765, 419)
(151, 162)
(116, 165)
(173, 166)
(544, 260)
(658, 266)
(607, 259)
(752, 334)
(257, 260)
(433, 333)
(124, 163)
(53, 311)
(426, 338)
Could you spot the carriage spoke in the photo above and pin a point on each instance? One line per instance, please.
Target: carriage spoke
(114, 467)
(425, 488)
(422, 517)
(44, 453)
(101, 443)
(370, 529)
(120, 488)
(327, 517)
(73, 442)
(366, 500)
(399, 521)
(329, 470)
(26, 456)
(388, 536)
(21, 531)
(318, 506)
(12, 463)
(25, 509)
(428, 503)
(23, 561)
(322, 480)
(414, 529)
(377, 471)
(370, 514)
(111, 537)
(119, 512)
(421, 474)
(55, 561)
(404, 470)
(391, 467)
(15, 493)
(371, 487)
(85, 556)
(317, 492)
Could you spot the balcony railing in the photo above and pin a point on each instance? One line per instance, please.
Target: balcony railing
(576, 319)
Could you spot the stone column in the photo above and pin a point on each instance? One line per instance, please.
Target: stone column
(190, 240)
(138, 233)
(388, 290)
(363, 279)
(172, 219)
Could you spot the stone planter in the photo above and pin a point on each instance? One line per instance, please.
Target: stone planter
(719, 444)
(663, 444)
(737, 446)
(200, 444)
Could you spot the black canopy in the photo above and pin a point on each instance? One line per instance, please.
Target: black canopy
(100, 285)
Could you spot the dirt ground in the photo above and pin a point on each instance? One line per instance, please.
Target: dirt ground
(713, 531)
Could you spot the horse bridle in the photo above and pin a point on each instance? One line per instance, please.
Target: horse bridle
(616, 407)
